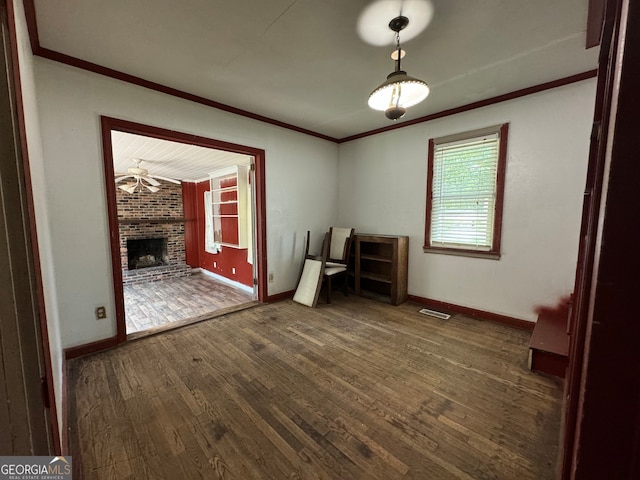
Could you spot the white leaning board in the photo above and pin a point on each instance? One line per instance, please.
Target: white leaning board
(308, 286)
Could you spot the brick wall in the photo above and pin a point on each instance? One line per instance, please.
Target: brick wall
(143, 204)
(160, 210)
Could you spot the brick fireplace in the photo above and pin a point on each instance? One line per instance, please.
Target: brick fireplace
(159, 217)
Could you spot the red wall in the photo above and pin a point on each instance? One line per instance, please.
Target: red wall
(225, 260)
(190, 212)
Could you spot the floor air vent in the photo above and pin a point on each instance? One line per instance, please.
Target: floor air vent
(433, 313)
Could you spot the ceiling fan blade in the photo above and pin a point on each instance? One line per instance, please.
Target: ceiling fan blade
(151, 188)
(172, 180)
(119, 179)
(151, 181)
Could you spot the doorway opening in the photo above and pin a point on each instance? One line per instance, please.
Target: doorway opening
(170, 267)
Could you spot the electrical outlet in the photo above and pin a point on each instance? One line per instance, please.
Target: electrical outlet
(101, 313)
(233, 270)
(215, 264)
(270, 277)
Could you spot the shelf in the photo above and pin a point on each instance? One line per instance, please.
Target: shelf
(225, 189)
(376, 258)
(228, 222)
(377, 278)
(376, 296)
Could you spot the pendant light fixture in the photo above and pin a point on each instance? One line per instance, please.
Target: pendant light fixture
(399, 91)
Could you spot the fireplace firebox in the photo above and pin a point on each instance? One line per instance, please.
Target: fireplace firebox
(147, 252)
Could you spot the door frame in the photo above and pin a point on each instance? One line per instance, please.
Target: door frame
(110, 123)
(24, 329)
(601, 429)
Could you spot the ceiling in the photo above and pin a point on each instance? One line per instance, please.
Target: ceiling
(303, 62)
(188, 163)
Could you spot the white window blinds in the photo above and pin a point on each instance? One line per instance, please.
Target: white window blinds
(464, 189)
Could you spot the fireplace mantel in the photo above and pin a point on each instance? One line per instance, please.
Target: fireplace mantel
(141, 221)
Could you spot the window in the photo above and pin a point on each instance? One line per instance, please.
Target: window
(465, 189)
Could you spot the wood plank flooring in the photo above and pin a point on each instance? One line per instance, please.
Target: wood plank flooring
(352, 390)
(156, 304)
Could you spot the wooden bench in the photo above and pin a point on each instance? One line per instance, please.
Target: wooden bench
(549, 346)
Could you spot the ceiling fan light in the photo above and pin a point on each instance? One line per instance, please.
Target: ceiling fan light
(129, 187)
(399, 90)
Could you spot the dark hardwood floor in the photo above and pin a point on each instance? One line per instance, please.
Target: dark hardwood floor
(352, 390)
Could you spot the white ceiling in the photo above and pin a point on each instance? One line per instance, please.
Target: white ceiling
(302, 61)
(180, 161)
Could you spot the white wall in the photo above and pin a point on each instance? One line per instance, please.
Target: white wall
(40, 199)
(382, 189)
(301, 189)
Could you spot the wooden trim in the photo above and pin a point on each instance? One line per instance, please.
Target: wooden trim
(591, 211)
(141, 82)
(475, 313)
(461, 252)
(64, 405)
(429, 200)
(92, 67)
(500, 184)
(32, 25)
(479, 104)
(89, 348)
(259, 165)
(603, 428)
(108, 124)
(190, 321)
(278, 297)
(114, 229)
(42, 313)
(595, 20)
(37, 49)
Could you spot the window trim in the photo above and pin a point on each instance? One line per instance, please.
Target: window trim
(495, 251)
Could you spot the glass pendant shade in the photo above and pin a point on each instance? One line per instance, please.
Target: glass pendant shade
(397, 93)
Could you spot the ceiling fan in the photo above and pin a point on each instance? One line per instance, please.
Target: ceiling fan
(141, 176)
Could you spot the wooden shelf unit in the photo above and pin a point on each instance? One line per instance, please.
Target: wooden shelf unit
(381, 265)
(228, 201)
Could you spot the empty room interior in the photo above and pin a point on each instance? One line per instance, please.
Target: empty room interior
(375, 239)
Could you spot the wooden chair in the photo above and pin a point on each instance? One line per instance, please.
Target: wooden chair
(310, 280)
(338, 261)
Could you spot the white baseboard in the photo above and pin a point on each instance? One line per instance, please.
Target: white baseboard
(222, 279)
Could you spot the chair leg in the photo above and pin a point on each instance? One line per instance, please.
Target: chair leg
(329, 289)
(346, 284)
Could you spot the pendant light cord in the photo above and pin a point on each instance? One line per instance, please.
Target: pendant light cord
(399, 51)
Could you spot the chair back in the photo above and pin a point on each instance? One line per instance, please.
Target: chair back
(340, 243)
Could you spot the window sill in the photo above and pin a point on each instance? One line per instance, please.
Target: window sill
(462, 253)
